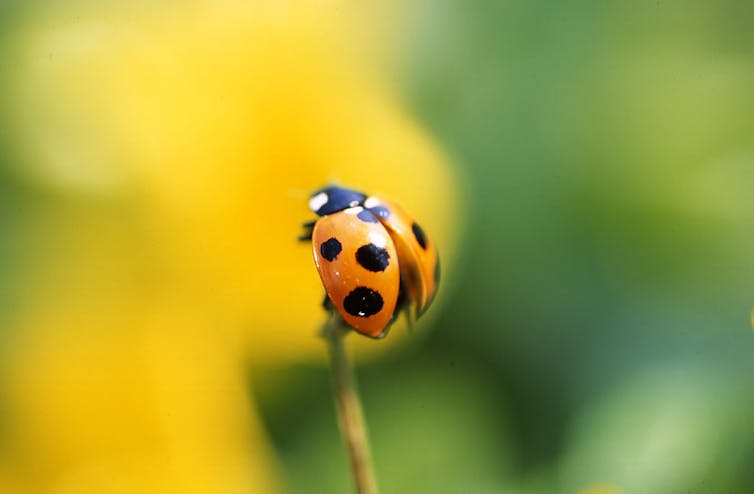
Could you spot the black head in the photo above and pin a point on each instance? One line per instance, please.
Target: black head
(333, 199)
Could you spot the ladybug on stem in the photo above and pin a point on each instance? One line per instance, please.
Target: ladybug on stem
(373, 258)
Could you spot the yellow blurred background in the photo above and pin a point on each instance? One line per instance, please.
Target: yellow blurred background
(163, 156)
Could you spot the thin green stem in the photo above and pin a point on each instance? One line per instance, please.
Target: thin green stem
(348, 405)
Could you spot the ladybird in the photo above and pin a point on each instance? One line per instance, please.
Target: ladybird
(373, 258)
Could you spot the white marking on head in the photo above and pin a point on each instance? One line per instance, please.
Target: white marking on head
(355, 210)
(371, 202)
(378, 239)
(318, 201)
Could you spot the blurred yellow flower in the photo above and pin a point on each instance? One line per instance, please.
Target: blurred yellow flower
(176, 147)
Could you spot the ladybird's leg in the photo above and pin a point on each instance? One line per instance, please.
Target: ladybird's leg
(327, 304)
(403, 306)
(400, 304)
(308, 227)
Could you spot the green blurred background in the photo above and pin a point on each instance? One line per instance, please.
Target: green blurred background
(596, 328)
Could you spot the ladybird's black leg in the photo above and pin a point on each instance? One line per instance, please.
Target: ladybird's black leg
(308, 230)
(402, 299)
(327, 304)
(409, 320)
(403, 306)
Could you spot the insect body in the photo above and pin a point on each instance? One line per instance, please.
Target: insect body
(372, 257)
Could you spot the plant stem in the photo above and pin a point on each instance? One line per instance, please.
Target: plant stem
(348, 405)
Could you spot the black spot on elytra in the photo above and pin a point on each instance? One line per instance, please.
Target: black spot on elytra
(419, 234)
(330, 249)
(367, 217)
(363, 302)
(381, 211)
(372, 257)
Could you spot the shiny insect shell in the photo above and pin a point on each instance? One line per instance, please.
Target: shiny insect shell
(373, 258)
